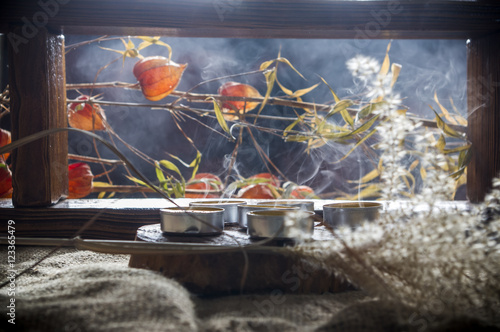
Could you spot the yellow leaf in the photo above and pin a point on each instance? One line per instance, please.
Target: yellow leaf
(356, 145)
(367, 177)
(446, 114)
(395, 68)
(445, 128)
(220, 116)
(385, 65)
(285, 90)
(284, 60)
(441, 143)
(266, 64)
(337, 99)
(99, 184)
(301, 92)
(413, 165)
(270, 79)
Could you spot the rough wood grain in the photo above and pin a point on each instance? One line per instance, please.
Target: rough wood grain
(264, 19)
(483, 98)
(222, 273)
(38, 102)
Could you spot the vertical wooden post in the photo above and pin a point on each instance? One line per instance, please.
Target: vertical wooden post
(483, 94)
(38, 102)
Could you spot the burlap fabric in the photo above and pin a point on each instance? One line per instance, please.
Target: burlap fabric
(85, 291)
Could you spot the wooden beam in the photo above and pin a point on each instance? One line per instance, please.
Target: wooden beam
(260, 19)
(483, 99)
(38, 102)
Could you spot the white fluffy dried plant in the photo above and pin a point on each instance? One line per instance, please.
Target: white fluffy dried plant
(423, 253)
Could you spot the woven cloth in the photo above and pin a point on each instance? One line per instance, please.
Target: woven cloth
(84, 291)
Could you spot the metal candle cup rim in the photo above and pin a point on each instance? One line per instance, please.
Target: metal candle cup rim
(244, 209)
(230, 207)
(183, 220)
(217, 202)
(289, 202)
(353, 205)
(271, 223)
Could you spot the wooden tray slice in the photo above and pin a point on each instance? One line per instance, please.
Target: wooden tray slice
(222, 273)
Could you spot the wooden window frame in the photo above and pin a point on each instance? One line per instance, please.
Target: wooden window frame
(38, 95)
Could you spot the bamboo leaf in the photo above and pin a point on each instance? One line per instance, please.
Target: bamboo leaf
(370, 191)
(395, 69)
(220, 116)
(196, 163)
(285, 90)
(365, 126)
(413, 165)
(386, 64)
(460, 119)
(301, 92)
(368, 109)
(347, 117)
(446, 114)
(457, 149)
(293, 124)
(297, 138)
(339, 107)
(337, 99)
(264, 65)
(356, 145)
(99, 184)
(441, 143)
(423, 173)
(170, 166)
(367, 177)
(447, 130)
(270, 79)
(284, 60)
(159, 173)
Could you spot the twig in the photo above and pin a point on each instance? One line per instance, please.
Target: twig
(202, 98)
(95, 160)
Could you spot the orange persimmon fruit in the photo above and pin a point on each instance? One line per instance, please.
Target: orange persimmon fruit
(256, 191)
(272, 179)
(4, 140)
(86, 116)
(158, 76)
(80, 180)
(302, 192)
(234, 89)
(5, 181)
(203, 182)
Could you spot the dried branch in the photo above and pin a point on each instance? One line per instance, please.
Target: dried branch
(95, 160)
(202, 98)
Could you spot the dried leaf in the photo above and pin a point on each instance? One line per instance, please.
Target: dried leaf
(368, 109)
(367, 177)
(447, 130)
(386, 64)
(270, 79)
(361, 141)
(170, 166)
(220, 116)
(285, 90)
(284, 60)
(301, 92)
(441, 143)
(293, 124)
(446, 114)
(395, 69)
(347, 117)
(337, 99)
(457, 149)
